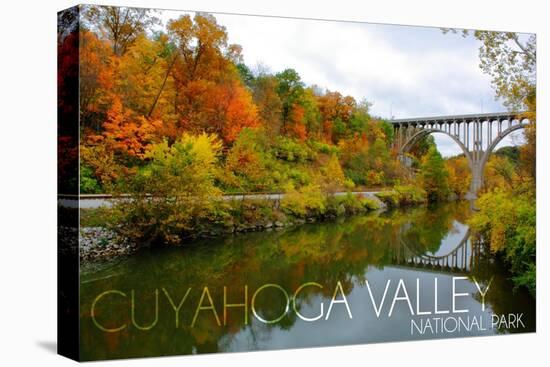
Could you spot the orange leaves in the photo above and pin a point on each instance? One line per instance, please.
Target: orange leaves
(459, 175)
(296, 124)
(96, 73)
(182, 82)
(222, 108)
(240, 112)
(333, 105)
(299, 131)
(336, 112)
(129, 134)
(210, 96)
(297, 114)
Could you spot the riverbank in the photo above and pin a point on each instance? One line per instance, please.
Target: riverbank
(100, 243)
(108, 232)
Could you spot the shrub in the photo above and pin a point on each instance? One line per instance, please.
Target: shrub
(251, 211)
(298, 176)
(308, 200)
(247, 164)
(370, 204)
(352, 203)
(332, 176)
(291, 150)
(99, 163)
(507, 219)
(403, 195)
(410, 195)
(88, 183)
(390, 198)
(349, 204)
(181, 179)
(324, 147)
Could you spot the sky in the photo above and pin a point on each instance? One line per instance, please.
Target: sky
(404, 71)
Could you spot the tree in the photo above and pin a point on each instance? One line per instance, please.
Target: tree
(459, 175)
(507, 218)
(360, 119)
(290, 89)
(510, 60)
(366, 157)
(120, 25)
(96, 80)
(268, 102)
(420, 149)
(246, 166)
(247, 77)
(336, 113)
(434, 175)
(311, 118)
(127, 133)
(209, 94)
(142, 74)
(236, 111)
(507, 214)
(511, 63)
(500, 172)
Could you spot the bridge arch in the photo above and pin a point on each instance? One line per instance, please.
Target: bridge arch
(475, 135)
(497, 140)
(460, 257)
(415, 138)
(450, 253)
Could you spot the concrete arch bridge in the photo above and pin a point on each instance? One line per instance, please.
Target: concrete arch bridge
(477, 135)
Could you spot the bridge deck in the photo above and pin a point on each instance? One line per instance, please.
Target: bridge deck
(461, 118)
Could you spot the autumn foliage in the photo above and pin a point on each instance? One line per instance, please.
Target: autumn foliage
(140, 88)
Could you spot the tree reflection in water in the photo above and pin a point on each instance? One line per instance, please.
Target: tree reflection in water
(376, 247)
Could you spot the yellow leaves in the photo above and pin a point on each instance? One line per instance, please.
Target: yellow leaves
(186, 167)
(102, 161)
(181, 28)
(308, 199)
(459, 175)
(495, 218)
(140, 75)
(378, 132)
(332, 176)
(375, 178)
(204, 147)
(499, 172)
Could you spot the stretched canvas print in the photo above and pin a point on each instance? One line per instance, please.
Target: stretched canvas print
(233, 183)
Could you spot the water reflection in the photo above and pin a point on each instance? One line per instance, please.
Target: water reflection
(359, 254)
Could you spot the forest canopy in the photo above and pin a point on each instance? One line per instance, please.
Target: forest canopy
(143, 84)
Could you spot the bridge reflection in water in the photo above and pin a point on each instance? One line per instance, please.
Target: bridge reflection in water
(461, 260)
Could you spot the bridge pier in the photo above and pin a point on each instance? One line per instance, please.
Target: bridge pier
(477, 140)
(477, 181)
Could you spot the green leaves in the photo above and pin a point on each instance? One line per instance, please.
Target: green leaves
(434, 175)
(507, 219)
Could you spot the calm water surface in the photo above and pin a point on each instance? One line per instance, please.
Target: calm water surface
(350, 260)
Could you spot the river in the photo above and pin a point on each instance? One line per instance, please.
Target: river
(403, 274)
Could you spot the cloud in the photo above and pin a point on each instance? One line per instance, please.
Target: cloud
(404, 71)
